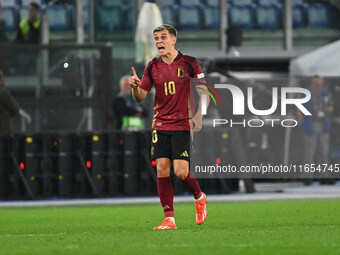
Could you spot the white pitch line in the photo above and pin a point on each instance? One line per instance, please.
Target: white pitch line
(46, 234)
(239, 245)
(33, 235)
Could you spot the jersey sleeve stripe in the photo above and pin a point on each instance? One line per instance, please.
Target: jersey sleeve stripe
(191, 69)
(150, 73)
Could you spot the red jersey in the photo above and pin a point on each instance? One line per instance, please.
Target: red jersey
(172, 84)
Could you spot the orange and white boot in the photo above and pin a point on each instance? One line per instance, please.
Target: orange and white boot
(168, 223)
(201, 209)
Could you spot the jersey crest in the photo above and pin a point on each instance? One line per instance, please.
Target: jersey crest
(180, 72)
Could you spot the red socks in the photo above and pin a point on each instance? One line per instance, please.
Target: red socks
(192, 185)
(166, 195)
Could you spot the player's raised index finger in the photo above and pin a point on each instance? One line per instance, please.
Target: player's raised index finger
(133, 71)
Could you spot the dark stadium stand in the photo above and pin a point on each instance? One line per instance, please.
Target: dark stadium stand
(198, 21)
(262, 14)
(192, 15)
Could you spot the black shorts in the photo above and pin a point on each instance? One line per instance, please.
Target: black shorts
(170, 144)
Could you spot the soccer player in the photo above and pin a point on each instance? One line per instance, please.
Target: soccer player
(170, 73)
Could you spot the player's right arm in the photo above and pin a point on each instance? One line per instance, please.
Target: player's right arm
(138, 93)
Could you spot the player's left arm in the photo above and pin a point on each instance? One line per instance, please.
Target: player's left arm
(197, 119)
(201, 91)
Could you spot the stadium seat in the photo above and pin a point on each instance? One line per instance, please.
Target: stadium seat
(170, 15)
(298, 16)
(318, 15)
(58, 17)
(169, 3)
(190, 2)
(189, 17)
(298, 2)
(269, 2)
(241, 16)
(242, 2)
(211, 17)
(8, 3)
(267, 16)
(128, 13)
(9, 16)
(214, 3)
(110, 3)
(110, 18)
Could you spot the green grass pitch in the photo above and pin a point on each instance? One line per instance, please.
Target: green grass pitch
(272, 227)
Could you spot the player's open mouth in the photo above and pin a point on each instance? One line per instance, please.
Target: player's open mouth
(160, 48)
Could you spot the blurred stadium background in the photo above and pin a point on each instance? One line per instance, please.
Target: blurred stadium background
(67, 83)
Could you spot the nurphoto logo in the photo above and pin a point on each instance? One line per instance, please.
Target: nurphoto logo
(285, 97)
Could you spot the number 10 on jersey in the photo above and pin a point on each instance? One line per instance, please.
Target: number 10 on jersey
(169, 88)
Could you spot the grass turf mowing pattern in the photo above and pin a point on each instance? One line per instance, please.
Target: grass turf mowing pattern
(275, 227)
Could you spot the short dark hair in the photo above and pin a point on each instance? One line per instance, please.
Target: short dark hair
(167, 27)
(35, 5)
